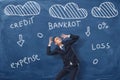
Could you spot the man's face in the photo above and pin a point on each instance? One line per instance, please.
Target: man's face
(57, 40)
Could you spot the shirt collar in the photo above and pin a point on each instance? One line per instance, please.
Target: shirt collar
(61, 47)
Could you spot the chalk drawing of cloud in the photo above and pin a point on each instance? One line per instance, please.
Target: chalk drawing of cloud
(105, 10)
(30, 8)
(69, 11)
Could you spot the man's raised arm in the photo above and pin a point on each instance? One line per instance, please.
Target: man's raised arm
(73, 39)
(49, 52)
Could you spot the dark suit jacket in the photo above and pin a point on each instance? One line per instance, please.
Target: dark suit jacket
(67, 55)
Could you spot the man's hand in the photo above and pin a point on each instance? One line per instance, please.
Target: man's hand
(50, 41)
(65, 36)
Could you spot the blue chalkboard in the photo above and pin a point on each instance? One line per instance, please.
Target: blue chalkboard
(25, 28)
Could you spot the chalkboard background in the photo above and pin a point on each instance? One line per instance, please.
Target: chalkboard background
(99, 64)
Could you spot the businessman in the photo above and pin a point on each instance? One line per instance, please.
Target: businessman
(65, 50)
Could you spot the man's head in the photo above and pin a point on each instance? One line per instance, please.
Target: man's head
(57, 40)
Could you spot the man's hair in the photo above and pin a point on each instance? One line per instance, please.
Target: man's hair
(54, 39)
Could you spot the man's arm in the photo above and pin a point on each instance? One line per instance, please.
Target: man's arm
(49, 52)
(73, 39)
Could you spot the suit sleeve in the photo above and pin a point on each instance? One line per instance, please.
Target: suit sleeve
(73, 39)
(49, 52)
